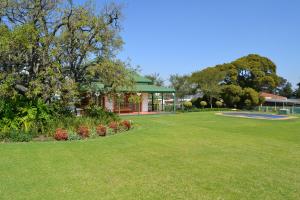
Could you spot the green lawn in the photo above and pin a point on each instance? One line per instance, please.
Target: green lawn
(183, 156)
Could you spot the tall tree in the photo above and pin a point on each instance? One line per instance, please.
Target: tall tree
(46, 46)
(156, 79)
(181, 85)
(284, 88)
(208, 81)
(297, 91)
(252, 71)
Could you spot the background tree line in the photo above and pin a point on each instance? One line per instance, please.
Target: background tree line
(235, 84)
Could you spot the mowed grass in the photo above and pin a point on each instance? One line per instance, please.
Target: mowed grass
(182, 156)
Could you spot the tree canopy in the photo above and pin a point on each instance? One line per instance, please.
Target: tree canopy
(239, 82)
(252, 71)
(297, 91)
(181, 84)
(156, 79)
(46, 47)
(208, 81)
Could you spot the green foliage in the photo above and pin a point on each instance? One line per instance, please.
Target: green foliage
(297, 91)
(208, 81)
(45, 57)
(16, 136)
(261, 100)
(181, 84)
(24, 115)
(250, 97)
(135, 99)
(73, 136)
(219, 104)
(187, 105)
(235, 96)
(252, 71)
(203, 104)
(231, 95)
(99, 112)
(285, 88)
(156, 79)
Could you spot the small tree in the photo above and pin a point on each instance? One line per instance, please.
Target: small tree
(251, 98)
(135, 99)
(203, 104)
(248, 103)
(187, 105)
(219, 104)
(209, 82)
(232, 95)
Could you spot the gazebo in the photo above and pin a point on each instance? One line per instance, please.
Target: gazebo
(152, 97)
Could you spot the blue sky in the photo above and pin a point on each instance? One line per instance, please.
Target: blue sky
(169, 36)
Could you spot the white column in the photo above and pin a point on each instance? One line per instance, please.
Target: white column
(109, 105)
(145, 102)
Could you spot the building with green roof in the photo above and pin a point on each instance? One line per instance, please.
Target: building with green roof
(152, 97)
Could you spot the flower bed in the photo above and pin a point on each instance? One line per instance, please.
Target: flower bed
(84, 132)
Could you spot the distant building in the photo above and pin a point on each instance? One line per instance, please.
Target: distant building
(276, 100)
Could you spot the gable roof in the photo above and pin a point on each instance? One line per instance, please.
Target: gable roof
(148, 89)
(272, 96)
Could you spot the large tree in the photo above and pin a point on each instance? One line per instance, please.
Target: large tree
(181, 84)
(284, 88)
(252, 71)
(46, 46)
(208, 81)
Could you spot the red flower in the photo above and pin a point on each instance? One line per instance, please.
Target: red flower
(126, 124)
(114, 126)
(61, 134)
(83, 131)
(101, 130)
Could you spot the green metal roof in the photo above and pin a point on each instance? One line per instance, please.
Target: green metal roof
(142, 85)
(148, 89)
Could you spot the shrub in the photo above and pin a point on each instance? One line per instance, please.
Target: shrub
(101, 130)
(100, 113)
(187, 105)
(18, 136)
(74, 136)
(83, 131)
(219, 104)
(126, 125)
(203, 104)
(114, 126)
(61, 134)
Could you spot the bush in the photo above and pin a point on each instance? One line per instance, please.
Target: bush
(100, 113)
(61, 134)
(219, 104)
(74, 136)
(17, 136)
(126, 125)
(187, 105)
(114, 126)
(101, 130)
(83, 131)
(203, 104)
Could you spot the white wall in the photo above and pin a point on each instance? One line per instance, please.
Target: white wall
(109, 105)
(145, 102)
